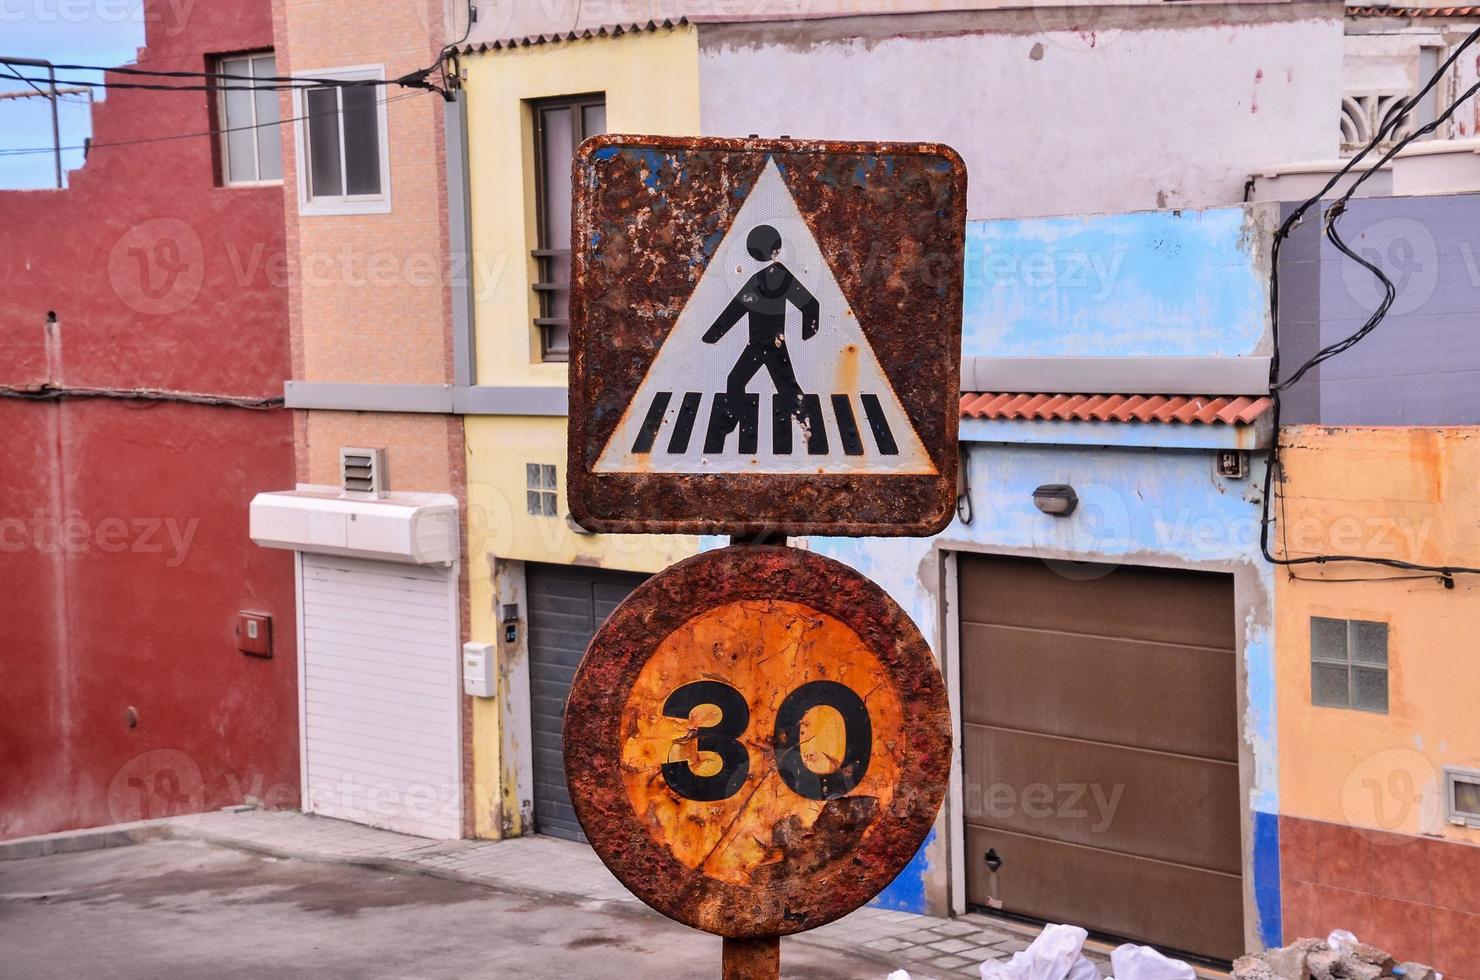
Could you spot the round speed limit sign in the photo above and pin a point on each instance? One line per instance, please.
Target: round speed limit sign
(757, 741)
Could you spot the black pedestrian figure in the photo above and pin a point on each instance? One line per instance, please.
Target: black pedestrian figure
(764, 298)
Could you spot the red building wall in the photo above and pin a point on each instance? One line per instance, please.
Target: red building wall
(124, 555)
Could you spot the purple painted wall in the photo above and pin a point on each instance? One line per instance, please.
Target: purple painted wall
(1421, 366)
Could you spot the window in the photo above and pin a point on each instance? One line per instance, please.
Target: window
(559, 127)
(251, 145)
(540, 489)
(1349, 664)
(343, 157)
(1462, 796)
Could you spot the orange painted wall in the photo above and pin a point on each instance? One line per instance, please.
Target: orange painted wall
(1409, 493)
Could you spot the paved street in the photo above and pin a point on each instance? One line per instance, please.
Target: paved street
(188, 909)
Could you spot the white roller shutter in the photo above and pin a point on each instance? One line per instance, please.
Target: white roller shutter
(380, 691)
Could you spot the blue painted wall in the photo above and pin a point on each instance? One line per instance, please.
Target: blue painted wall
(1168, 283)
(1183, 283)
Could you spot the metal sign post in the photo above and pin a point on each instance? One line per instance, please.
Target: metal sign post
(765, 340)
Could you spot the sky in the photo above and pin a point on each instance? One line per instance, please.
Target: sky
(84, 32)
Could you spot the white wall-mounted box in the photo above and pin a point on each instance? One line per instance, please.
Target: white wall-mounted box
(417, 528)
(478, 670)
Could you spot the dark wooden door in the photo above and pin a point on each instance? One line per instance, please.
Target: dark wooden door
(1100, 749)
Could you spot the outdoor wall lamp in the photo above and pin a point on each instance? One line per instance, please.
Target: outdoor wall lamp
(1056, 499)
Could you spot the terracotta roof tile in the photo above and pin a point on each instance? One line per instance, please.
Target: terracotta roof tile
(1063, 406)
(577, 34)
(1379, 11)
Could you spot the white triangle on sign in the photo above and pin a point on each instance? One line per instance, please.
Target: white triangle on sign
(718, 397)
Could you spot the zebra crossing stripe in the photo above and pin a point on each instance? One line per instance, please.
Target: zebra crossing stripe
(847, 425)
(649, 431)
(785, 411)
(683, 427)
(879, 423)
(728, 414)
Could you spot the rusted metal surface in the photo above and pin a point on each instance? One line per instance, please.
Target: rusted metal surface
(650, 216)
(757, 741)
(752, 959)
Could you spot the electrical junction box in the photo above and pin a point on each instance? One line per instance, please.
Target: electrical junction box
(254, 634)
(478, 663)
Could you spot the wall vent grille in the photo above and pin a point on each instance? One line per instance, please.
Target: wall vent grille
(362, 472)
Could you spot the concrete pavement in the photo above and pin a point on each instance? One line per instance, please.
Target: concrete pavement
(189, 909)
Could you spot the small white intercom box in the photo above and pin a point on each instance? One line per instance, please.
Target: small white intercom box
(478, 664)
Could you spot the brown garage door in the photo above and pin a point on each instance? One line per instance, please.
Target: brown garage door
(1100, 731)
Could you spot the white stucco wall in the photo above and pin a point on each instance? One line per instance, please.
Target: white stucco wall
(1137, 109)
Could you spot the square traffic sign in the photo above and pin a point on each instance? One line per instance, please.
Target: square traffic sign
(765, 336)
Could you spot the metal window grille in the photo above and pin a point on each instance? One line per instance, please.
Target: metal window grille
(559, 127)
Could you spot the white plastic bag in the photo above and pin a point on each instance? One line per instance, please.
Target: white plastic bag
(1055, 955)
(1341, 941)
(898, 975)
(1130, 962)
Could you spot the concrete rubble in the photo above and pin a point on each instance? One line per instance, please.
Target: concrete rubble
(1340, 956)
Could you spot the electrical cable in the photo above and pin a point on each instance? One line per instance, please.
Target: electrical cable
(27, 150)
(1333, 214)
(39, 90)
(412, 79)
(48, 393)
(416, 79)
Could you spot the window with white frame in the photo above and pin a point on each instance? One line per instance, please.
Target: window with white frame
(343, 156)
(251, 144)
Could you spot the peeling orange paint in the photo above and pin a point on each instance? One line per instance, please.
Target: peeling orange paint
(764, 649)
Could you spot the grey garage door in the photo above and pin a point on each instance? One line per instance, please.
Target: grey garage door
(1100, 749)
(566, 605)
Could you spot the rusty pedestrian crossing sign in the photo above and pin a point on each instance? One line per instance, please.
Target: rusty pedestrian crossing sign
(765, 336)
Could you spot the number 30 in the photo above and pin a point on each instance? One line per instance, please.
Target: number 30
(723, 739)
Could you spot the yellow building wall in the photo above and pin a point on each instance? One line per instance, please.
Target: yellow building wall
(651, 81)
(651, 84)
(1406, 493)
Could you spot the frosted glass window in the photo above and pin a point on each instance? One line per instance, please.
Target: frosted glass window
(1348, 664)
